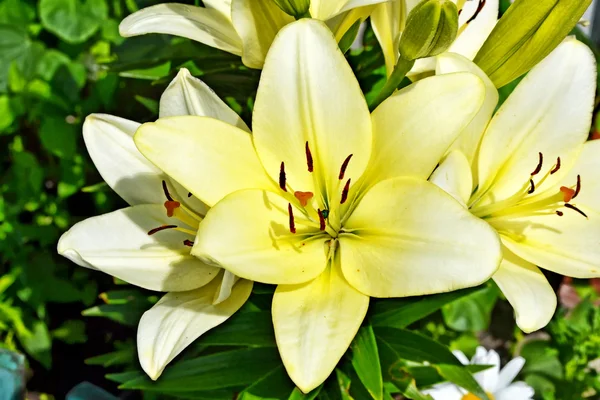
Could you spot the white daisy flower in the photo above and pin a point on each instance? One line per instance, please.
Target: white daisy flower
(495, 382)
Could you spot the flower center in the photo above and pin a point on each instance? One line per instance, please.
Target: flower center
(305, 200)
(471, 396)
(180, 213)
(522, 203)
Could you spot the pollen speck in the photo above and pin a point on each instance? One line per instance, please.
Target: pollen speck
(303, 197)
(171, 206)
(568, 193)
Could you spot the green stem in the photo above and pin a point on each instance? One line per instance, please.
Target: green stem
(400, 71)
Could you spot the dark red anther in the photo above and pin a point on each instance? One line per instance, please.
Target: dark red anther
(309, 159)
(559, 213)
(572, 207)
(282, 177)
(479, 8)
(161, 228)
(188, 243)
(344, 166)
(556, 167)
(292, 223)
(189, 194)
(539, 166)
(321, 220)
(578, 187)
(345, 191)
(531, 187)
(166, 190)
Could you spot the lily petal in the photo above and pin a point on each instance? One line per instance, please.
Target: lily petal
(209, 157)
(259, 245)
(550, 112)
(404, 231)
(475, 33)
(388, 21)
(223, 6)
(414, 128)
(314, 325)
(187, 95)
(204, 25)
(454, 176)
(587, 167)
(179, 318)
(469, 140)
(567, 245)
(326, 9)
(118, 244)
(109, 141)
(527, 290)
(309, 94)
(257, 22)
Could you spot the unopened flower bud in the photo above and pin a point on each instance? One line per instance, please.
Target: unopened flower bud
(295, 8)
(431, 27)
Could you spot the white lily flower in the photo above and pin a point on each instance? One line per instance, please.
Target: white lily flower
(477, 19)
(149, 243)
(241, 27)
(497, 383)
(531, 174)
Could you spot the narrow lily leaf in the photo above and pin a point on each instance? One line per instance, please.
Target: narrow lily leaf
(243, 329)
(406, 385)
(415, 347)
(472, 312)
(365, 360)
(344, 383)
(525, 35)
(274, 385)
(298, 395)
(349, 37)
(460, 376)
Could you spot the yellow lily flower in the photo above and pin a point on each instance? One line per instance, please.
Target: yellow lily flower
(241, 27)
(148, 244)
(530, 174)
(326, 201)
(477, 19)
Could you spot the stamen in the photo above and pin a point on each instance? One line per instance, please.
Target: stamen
(171, 206)
(304, 197)
(572, 207)
(189, 194)
(344, 166)
(479, 8)
(559, 213)
(539, 166)
(325, 213)
(531, 186)
(161, 228)
(166, 190)
(321, 220)
(188, 243)
(556, 167)
(578, 187)
(345, 191)
(282, 177)
(292, 223)
(309, 159)
(568, 193)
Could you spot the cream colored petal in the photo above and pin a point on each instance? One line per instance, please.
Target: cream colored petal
(453, 175)
(406, 231)
(257, 22)
(118, 244)
(204, 25)
(309, 94)
(187, 95)
(249, 234)
(326, 9)
(473, 35)
(224, 290)
(527, 290)
(388, 21)
(109, 141)
(314, 325)
(209, 157)
(587, 166)
(341, 23)
(550, 112)
(469, 140)
(567, 245)
(179, 318)
(223, 6)
(414, 128)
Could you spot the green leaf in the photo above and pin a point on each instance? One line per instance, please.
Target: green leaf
(472, 312)
(525, 35)
(150, 104)
(541, 359)
(460, 376)
(71, 332)
(400, 313)
(151, 73)
(406, 385)
(74, 21)
(343, 383)
(298, 395)
(15, 46)
(243, 329)
(59, 137)
(16, 12)
(120, 357)
(349, 37)
(274, 385)
(38, 344)
(6, 114)
(365, 360)
(211, 372)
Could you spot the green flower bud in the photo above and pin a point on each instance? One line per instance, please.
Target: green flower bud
(295, 8)
(431, 27)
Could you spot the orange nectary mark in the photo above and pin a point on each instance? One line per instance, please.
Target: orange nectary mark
(304, 197)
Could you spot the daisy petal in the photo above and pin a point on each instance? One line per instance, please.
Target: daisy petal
(510, 372)
(516, 391)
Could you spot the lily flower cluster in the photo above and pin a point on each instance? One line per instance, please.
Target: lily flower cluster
(431, 192)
